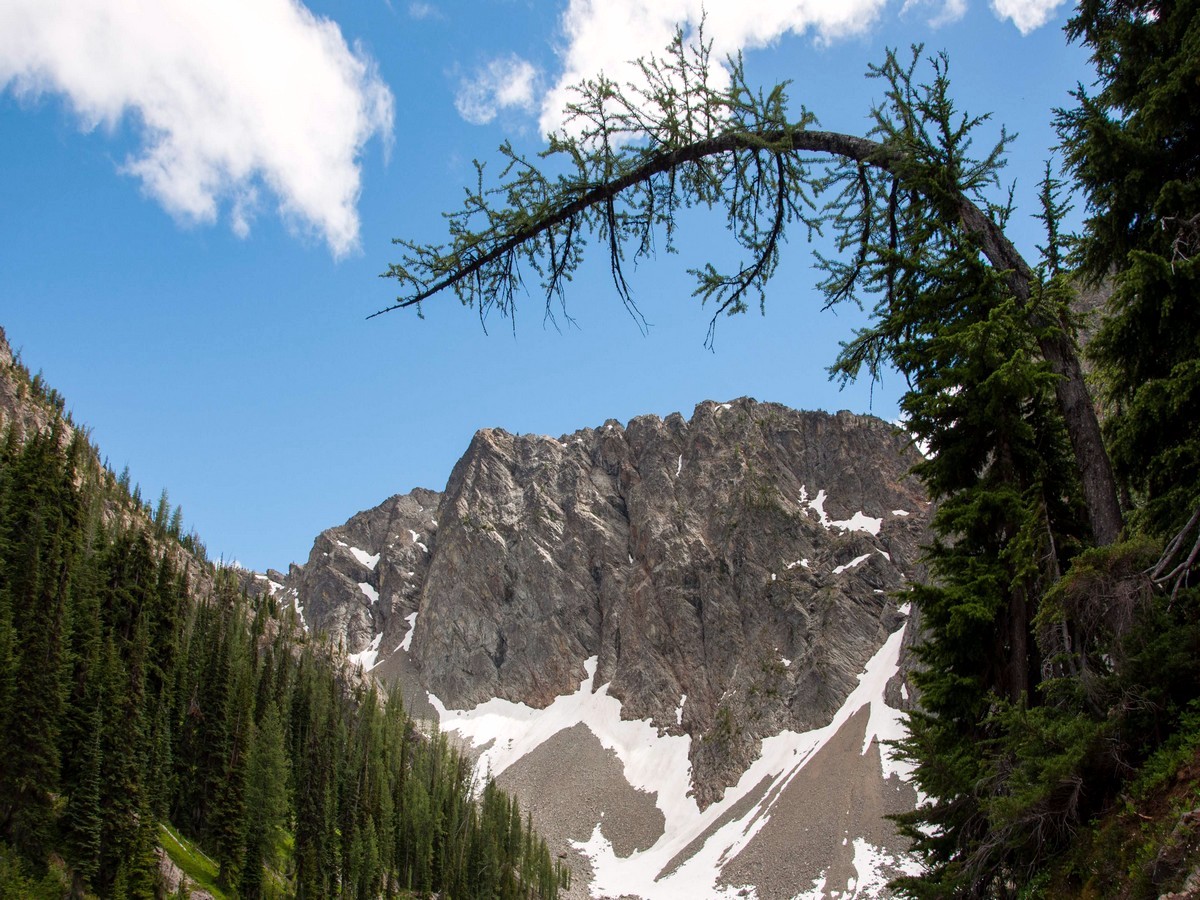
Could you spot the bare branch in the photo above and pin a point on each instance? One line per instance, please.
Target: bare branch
(1163, 572)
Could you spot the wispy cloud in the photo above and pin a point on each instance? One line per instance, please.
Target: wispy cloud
(419, 10)
(233, 99)
(1027, 15)
(945, 12)
(509, 82)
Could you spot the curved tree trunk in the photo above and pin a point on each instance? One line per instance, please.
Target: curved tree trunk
(1054, 339)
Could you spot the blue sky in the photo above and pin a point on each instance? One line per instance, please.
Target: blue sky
(199, 198)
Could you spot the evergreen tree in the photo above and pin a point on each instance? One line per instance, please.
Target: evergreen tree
(81, 737)
(266, 800)
(161, 512)
(228, 814)
(1134, 151)
(40, 530)
(8, 668)
(175, 528)
(127, 830)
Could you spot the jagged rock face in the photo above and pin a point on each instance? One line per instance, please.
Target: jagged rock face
(363, 577)
(741, 559)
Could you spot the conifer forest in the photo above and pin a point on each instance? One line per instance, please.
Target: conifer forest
(146, 700)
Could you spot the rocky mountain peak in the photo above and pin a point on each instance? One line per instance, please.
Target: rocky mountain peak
(728, 573)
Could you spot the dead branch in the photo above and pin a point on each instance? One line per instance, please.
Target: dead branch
(1163, 572)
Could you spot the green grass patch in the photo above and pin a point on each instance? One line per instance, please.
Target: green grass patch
(191, 859)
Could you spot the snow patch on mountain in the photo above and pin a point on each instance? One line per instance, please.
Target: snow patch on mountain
(299, 608)
(860, 521)
(406, 644)
(367, 658)
(857, 561)
(370, 560)
(656, 762)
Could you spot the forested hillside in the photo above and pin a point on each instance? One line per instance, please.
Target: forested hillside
(147, 701)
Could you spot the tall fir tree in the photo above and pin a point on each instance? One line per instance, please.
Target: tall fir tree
(40, 532)
(1134, 151)
(266, 801)
(81, 736)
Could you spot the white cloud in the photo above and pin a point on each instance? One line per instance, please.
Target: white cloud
(504, 83)
(604, 35)
(232, 98)
(1027, 15)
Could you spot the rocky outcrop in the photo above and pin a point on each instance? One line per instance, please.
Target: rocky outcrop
(27, 404)
(731, 573)
(364, 577)
(175, 881)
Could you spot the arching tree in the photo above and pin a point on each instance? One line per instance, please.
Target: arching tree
(635, 156)
(1044, 662)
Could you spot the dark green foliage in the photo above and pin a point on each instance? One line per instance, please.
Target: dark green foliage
(82, 744)
(227, 786)
(17, 881)
(1134, 149)
(125, 702)
(40, 532)
(127, 831)
(175, 526)
(161, 512)
(1039, 693)
(1009, 514)
(267, 780)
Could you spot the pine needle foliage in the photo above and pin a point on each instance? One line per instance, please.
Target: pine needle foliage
(1133, 147)
(629, 160)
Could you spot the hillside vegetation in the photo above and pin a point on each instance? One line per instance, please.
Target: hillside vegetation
(147, 701)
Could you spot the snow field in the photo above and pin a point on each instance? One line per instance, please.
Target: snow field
(657, 763)
(860, 521)
(857, 561)
(367, 559)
